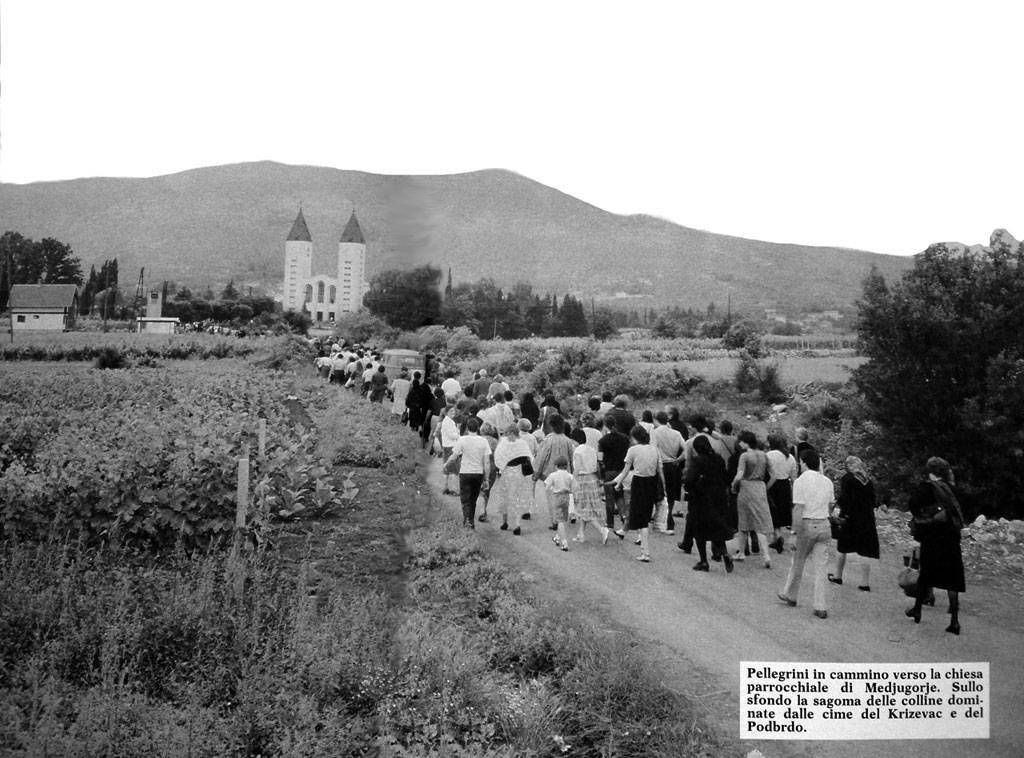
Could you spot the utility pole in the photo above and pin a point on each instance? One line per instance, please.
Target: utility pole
(10, 284)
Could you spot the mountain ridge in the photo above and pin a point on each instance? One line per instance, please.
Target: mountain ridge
(204, 226)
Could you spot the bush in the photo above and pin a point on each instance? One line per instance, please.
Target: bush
(577, 367)
(362, 327)
(110, 357)
(652, 383)
(463, 343)
(745, 335)
(761, 376)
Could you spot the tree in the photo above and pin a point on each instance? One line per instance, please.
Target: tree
(360, 327)
(229, 293)
(942, 343)
(406, 299)
(603, 325)
(572, 320)
(663, 328)
(48, 261)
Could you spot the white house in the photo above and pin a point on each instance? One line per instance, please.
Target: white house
(50, 307)
(323, 296)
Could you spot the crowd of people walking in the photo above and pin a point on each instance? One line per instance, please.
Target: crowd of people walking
(626, 477)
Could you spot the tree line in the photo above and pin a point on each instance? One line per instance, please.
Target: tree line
(408, 299)
(25, 261)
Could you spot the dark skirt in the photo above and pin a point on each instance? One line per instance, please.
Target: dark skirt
(780, 503)
(942, 563)
(708, 515)
(643, 494)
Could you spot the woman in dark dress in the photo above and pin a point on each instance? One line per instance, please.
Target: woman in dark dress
(707, 493)
(856, 503)
(942, 563)
(418, 402)
(529, 410)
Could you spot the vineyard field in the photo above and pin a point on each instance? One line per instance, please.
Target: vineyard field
(828, 369)
(150, 455)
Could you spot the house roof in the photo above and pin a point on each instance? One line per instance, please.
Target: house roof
(299, 232)
(42, 295)
(352, 231)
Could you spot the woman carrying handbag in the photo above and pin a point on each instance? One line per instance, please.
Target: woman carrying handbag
(936, 522)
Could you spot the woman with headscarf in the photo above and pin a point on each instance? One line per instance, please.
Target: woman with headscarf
(529, 410)
(707, 490)
(942, 563)
(856, 503)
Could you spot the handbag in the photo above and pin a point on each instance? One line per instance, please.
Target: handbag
(909, 575)
(838, 523)
(523, 462)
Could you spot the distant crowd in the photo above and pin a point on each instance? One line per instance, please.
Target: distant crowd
(627, 476)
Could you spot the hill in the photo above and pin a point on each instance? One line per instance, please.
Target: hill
(209, 225)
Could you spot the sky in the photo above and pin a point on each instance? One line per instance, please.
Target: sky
(882, 126)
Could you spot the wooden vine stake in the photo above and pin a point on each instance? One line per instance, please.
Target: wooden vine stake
(241, 506)
(261, 430)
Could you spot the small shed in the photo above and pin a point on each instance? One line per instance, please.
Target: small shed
(154, 322)
(48, 307)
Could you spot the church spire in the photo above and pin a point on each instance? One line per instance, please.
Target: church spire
(299, 232)
(352, 231)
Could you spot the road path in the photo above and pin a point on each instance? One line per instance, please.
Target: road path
(701, 625)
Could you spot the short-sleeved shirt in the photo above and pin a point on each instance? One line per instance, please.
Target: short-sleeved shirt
(559, 481)
(644, 458)
(669, 442)
(475, 451)
(815, 492)
(449, 432)
(780, 465)
(584, 460)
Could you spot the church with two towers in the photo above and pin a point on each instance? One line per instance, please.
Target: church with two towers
(324, 297)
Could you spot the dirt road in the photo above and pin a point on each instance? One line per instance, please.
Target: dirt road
(702, 625)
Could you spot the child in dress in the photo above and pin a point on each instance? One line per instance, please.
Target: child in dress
(559, 487)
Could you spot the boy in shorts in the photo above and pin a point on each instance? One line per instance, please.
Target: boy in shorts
(559, 486)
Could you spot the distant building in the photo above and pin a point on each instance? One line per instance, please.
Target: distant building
(324, 297)
(154, 322)
(49, 307)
